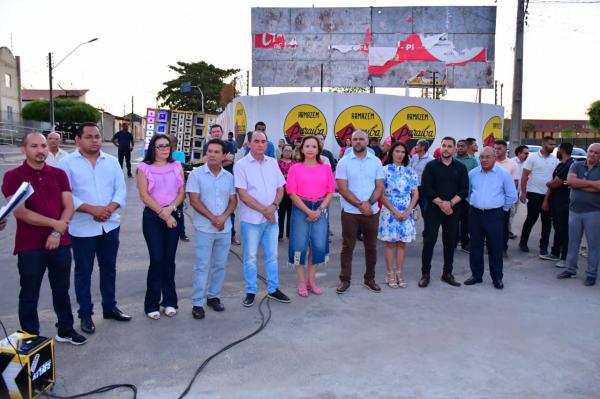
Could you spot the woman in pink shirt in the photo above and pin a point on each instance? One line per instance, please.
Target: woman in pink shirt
(310, 185)
(161, 189)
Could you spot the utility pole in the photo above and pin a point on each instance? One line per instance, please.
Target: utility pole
(496, 92)
(501, 89)
(248, 82)
(50, 67)
(517, 102)
(434, 89)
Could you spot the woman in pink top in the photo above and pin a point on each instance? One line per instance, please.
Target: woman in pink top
(161, 189)
(310, 185)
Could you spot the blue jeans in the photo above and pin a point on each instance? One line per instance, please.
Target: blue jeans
(580, 223)
(85, 249)
(212, 250)
(162, 248)
(253, 235)
(32, 266)
(304, 235)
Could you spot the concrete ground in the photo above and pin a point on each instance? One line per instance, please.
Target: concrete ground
(538, 338)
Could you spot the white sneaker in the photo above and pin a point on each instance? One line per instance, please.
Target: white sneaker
(561, 264)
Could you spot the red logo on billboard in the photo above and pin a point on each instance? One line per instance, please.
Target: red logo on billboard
(269, 40)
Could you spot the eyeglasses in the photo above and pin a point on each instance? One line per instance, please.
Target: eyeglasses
(163, 146)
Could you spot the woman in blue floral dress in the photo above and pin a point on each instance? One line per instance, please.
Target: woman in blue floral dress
(396, 222)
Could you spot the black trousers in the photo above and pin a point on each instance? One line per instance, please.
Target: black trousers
(487, 227)
(32, 267)
(162, 248)
(534, 210)
(434, 218)
(125, 154)
(560, 221)
(462, 232)
(284, 215)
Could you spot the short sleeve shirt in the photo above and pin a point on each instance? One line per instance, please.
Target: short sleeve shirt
(584, 201)
(214, 192)
(48, 184)
(361, 175)
(510, 166)
(541, 169)
(310, 183)
(260, 179)
(560, 196)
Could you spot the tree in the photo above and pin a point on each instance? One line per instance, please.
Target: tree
(527, 127)
(207, 76)
(349, 90)
(567, 133)
(65, 111)
(594, 113)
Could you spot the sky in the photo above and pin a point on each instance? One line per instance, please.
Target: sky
(138, 40)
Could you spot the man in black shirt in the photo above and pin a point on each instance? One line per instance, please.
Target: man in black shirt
(124, 140)
(445, 183)
(557, 202)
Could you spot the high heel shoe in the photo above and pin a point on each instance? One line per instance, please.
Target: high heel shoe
(314, 288)
(301, 288)
(391, 280)
(400, 280)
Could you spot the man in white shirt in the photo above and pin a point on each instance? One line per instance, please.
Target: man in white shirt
(537, 171)
(418, 162)
(55, 153)
(98, 189)
(259, 184)
(521, 154)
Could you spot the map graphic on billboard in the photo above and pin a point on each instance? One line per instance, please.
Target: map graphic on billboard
(377, 46)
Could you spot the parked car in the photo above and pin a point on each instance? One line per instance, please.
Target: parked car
(578, 154)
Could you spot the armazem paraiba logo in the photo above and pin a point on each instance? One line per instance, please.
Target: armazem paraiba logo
(304, 120)
(412, 124)
(357, 117)
(492, 131)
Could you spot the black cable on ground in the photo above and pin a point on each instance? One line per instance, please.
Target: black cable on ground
(265, 319)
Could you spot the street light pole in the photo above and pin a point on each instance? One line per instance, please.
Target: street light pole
(51, 69)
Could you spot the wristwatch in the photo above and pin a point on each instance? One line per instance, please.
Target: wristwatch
(55, 233)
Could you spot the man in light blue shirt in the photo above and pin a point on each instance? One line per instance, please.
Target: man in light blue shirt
(418, 163)
(98, 189)
(359, 178)
(492, 193)
(212, 195)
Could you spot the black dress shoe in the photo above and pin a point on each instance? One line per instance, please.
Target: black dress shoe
(512, 235)
(424, 282)
(523, 247)
(215, 304)
(448, 278)
(198, 312)
(117, 315)
(472, 281)
(249, 300)
(498, 284)
(87, 325)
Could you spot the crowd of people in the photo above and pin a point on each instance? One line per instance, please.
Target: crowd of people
(285, 192)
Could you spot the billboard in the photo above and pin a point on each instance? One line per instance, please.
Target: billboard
(289, 116)
(373, 46)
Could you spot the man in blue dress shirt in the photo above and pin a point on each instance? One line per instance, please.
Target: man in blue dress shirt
(492, 193)
(98, 189)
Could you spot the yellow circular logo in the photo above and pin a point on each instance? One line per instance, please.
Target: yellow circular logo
(304, 120)
(357, 117)
(492, 131)
(412, 124)
(239, 119)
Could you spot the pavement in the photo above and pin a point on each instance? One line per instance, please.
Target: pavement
(537, 338)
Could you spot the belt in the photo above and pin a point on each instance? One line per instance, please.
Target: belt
(486, 210)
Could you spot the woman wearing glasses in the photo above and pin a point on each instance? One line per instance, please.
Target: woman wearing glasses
(161, 188)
